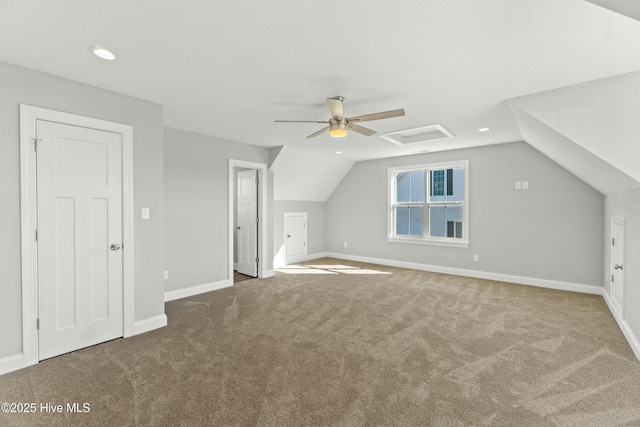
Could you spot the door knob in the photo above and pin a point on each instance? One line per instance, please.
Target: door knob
(617, 267)
(288, 235)
(115, 247)
(238, 228)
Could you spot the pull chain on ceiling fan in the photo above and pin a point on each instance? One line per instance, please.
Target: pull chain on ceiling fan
(339, 126)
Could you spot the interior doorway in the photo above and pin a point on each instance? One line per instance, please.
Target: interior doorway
(246, 250)
(76, 233)
(260, 169)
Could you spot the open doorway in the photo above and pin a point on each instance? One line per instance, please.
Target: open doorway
(247, 220)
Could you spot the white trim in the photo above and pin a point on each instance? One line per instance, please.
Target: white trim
(521, 280)
(434, 242)
(624, 326)
(304, 258)
(262, 214)
(146, 325)
(270, 273)
(28, 193)
(12, 363)
(196, 290)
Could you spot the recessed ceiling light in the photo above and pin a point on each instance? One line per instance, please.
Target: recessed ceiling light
(484, 129)
(338, 152)
(103, 52)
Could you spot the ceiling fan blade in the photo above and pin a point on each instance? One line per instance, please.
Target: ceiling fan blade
(313, 135)
(377, 116)
(335, 106)
(301, 121)
(362, 130)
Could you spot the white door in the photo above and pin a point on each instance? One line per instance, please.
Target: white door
(247, 223)
(295, 236)
(79, 180)
(617, 262)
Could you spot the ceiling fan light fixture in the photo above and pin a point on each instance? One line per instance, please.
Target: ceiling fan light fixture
(338, 133)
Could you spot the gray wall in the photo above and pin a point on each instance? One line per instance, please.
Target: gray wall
(626, 204)
(551, 231)
(23, 86)
(315, 226)
(197, 204)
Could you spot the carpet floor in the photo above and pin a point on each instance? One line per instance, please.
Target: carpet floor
(343, 343)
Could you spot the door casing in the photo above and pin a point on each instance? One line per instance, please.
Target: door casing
(263, 240)
(28, 196)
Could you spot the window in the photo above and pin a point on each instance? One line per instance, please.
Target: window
(429, 204)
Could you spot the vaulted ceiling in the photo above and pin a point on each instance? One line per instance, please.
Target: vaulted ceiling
(230, 68)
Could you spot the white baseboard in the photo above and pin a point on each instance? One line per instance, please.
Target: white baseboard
(12, 363)
(146, 325)
(196, 290)
(297, 259)
(521, 280)
(624, 326)
(269, 273)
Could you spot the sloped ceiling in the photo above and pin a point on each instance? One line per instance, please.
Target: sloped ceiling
(630, 8)
(301, 175)
(229, 68)
(592, 129)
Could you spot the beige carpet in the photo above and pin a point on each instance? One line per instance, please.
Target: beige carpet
(344, 343)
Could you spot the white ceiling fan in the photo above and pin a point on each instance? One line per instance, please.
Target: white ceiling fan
(339, 126)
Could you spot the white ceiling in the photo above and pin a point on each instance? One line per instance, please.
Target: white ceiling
(228, 68)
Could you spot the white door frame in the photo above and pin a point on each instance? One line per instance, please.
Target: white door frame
(28, 215)
(618, 305)
(262, 215)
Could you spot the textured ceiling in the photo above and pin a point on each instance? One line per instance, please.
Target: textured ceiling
(228, 68)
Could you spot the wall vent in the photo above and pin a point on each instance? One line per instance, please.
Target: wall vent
(415, 135)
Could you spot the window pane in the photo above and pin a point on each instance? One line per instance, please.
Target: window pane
(409, 220)
(447, 185)
(403, 186)
(415, 220)
(445, 221)
(417, 186)
(436, 221)
(437, 183)
(457, 186)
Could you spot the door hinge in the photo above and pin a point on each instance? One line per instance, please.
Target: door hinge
(257, 181)
(257, 259)
(36, 235)
(35, 143)
(38, 323)
(612, 278)
(257, 220)
(613, 241)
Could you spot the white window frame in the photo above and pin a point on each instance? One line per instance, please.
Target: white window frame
(427, 240)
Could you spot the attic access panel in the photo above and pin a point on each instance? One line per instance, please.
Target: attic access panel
(415, 135)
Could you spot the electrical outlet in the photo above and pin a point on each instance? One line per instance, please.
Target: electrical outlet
(166, 275)
(525, 185)
(518, 185)
(475, 258)
(345, 244)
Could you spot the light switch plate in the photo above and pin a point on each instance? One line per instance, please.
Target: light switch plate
(145, 213)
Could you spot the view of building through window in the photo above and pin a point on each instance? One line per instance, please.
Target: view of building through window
(430, 199)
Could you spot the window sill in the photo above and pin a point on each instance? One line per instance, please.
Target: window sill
(433, 242)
